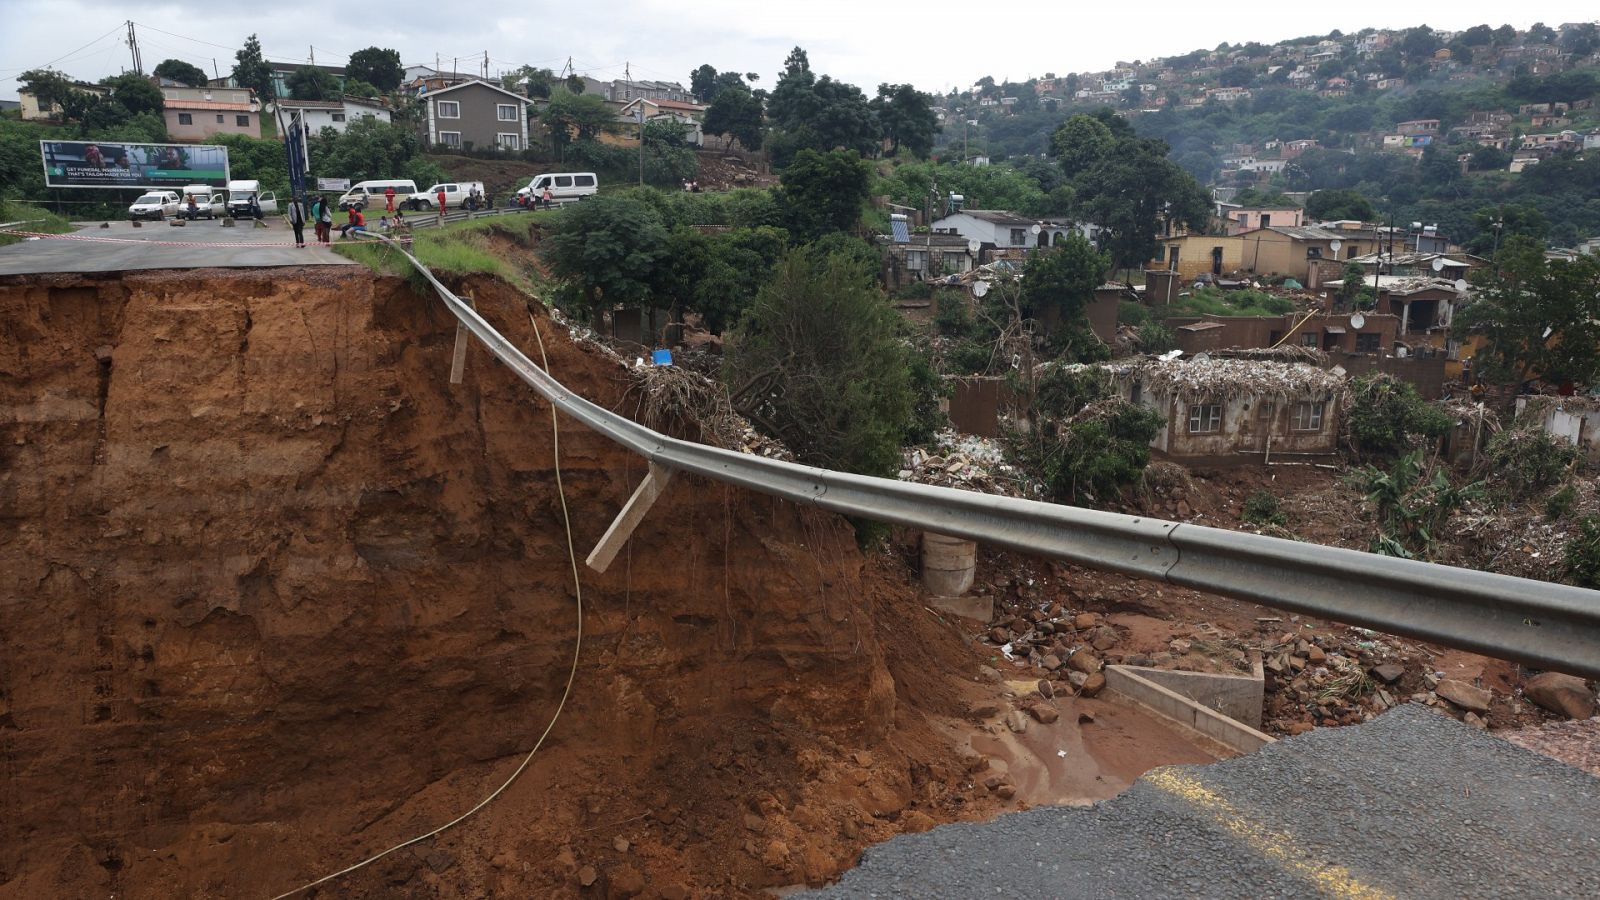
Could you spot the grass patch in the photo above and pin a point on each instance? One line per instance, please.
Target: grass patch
(459, 248)
(38, 218)
(1210, 301)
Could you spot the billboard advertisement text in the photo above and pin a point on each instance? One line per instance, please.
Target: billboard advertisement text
(112, 164)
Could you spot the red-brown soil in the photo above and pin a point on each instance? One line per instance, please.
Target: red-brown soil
(274, 595)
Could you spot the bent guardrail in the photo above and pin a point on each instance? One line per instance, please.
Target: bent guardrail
(1548, 626)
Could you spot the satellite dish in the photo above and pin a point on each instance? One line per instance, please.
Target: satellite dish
(973, 247)
(980, 288)
(1336, 246)
(1037, 228)
(1438, 264)
(1358, 320)
(1462, 284)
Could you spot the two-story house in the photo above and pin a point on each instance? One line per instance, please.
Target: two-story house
(335, 114)
(476, 114)
(202, 113)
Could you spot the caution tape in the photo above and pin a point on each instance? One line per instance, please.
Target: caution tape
(95, 239)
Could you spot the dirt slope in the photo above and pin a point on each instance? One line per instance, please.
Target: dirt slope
(274, 595)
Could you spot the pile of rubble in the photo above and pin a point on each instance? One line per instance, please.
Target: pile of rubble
(1201, 378)
(967, 462)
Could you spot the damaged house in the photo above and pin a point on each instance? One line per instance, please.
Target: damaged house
(1222, 410)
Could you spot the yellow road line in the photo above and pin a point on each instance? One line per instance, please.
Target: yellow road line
(1279, 846)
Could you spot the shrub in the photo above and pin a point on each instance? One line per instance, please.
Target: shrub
(1085, 444)
(1154, 338)
(1262, 508)
(1412, 503)
(1388, 418)
(1583, 554)
(950, 315)
(1525, 461)
(920, 290)
(1558, 504)
(1132, 312)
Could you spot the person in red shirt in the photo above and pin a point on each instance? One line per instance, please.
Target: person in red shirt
(440, 195)
(388, 199)
(357, 222)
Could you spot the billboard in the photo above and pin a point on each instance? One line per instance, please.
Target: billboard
(112, 164)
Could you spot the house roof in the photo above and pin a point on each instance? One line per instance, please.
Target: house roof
(331, 104)
(207, 104)
(1197, 378)
(996, 216)
(483, 84)
(1404, 285)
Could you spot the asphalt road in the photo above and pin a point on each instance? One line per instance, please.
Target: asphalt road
(158, 245)
(1413, 804)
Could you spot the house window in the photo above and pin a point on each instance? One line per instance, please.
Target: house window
(219, 118)
(1018, 237)
(1308, 415)
(1366, 342)
(507, 112)
(1266, 220)
(242, 121)
(916, 260)
(450, 138)
(337, 117)
(509, 141)
(1205, 418)
(448, 109)
(185, 119)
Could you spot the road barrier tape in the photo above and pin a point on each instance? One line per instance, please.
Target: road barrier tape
(96, 239)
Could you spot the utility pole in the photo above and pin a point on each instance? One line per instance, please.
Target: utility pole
(216, 72)
(627, 77)
(313, 57)
(133, 47)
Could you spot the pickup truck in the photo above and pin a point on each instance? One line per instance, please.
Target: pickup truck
(154, 205)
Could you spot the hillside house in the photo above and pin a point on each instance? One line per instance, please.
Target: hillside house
(1292, 251)
(1418, 126)
(335, 114)
(1575, 420)
(1329, 332)
(1221, 410)
(914, 258)
(476, 114)
(995, 229)
(1425, 305)
(199, 114)
(1192, 255)
(622, 91)
(1250, 218)
(33, 111)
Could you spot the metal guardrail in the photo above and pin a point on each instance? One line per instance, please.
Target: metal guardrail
(1548, 626)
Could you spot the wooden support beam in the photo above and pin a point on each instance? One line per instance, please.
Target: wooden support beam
(458, 363)
(655, 481)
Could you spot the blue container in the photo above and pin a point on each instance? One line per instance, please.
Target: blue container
(661, 357)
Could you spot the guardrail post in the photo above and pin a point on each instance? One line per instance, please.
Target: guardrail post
(458, 363)
(655, 481)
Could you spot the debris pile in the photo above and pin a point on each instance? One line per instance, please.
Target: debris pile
(1203, 377)
(968, 462)
(674, 396)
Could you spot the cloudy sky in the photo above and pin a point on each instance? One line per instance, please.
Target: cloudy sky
(935, 44)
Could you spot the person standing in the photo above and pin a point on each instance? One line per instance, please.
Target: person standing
(324, 221)
(388, 199)
(297, 221)
(549, 198)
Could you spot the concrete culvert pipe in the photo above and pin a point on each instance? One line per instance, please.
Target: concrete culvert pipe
(948, 564)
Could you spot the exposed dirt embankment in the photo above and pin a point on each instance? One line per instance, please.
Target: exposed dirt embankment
(275, 595)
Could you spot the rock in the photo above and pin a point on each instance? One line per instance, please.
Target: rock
(990, 673)
(999, 635)
(1388, 673)
(1085, 662)
(1046, 689)
(1044, 712)
(1297, 663)
(993, 782)
(1016, 722)
(1092, 685)
(917, 820)
(1315, 654)
(1473, 720)
(1180, 646)
(503, 861)
(776, 856)
(674, 892)
(620, 844)
(1051, 662)
(1561, 693)
(984, 709)
(754, 822)
(1294, 728)
(1085, 621)
(1183, 509)
(1077, 679)
(863, 758)
(626, 881)
(1464, 695)
(1005, 791)
(587, 876)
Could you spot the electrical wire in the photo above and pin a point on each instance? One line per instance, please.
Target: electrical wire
(572, 674)
(71, 53)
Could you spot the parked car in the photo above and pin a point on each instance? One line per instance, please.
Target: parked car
(154, 205)
(455, 195)
(208, 203)
(562, 185)
(240, 194)
(370, 194)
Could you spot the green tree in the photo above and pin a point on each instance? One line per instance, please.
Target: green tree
(181, 72)
(250, 69)
(818, 362)
(1489, 159)
(824, 192)
(367, 149)
(360, 89)
(377, 66)
(736, 113)
(703, 83)
(1080, 142)
(1540, 33)
(1132, 192)
(1388, 417)
(1085, 445)
(572, 117)
(1541, 318)
(818, 113)
(609, 248)
(49, 87)
(906, 116)
(135, 94)
(307, 83)
(529, 81)
(1060, 282)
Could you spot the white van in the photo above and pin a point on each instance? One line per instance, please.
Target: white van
(455, 195)
(563, 185)
(208, 202)
(240, 194)
(154, 205)
(370, 194)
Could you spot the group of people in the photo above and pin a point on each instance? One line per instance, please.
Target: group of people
(531, 200)
(320, 214)
(691, 186)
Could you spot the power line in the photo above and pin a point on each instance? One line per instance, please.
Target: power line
(63, 56)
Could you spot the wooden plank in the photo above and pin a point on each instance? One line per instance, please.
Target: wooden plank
(458, 363)
(655, 481)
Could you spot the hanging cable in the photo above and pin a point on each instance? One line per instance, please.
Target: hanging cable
(572, 674)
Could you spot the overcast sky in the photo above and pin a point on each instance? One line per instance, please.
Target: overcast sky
(935, 44)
